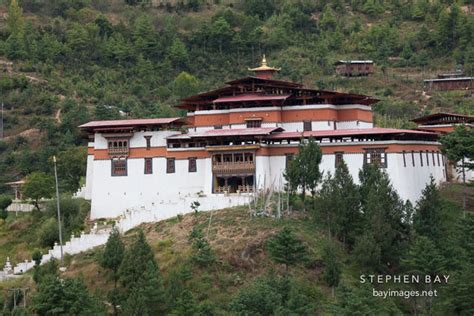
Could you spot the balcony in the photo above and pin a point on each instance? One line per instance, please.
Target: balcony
(233, 167)
(118, 151)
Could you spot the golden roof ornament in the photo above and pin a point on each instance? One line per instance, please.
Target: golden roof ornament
(264, 66)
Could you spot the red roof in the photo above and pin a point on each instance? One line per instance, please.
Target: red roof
(347, 132)
(127, 123)
(251, 97)
(263, 131)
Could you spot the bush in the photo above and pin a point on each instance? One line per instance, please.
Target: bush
(3, 214)
(5, 202)
(48, 233)
(73, 213)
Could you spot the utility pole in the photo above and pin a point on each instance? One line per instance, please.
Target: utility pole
(61, 268)
(1, 123)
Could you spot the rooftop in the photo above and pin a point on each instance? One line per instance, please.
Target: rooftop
(130, 123)
(444, 118)
(348, 132)
(263, 131)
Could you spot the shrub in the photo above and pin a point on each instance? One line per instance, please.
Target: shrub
(48, 233)
(5, 202)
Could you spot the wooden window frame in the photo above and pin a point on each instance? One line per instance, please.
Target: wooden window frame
(338, 158)
(427, 158)
(437, 155)
(421, 158)
(148, 166)
(404, 159)
(192, 164)
(116, 169)
(413, 158)
(288, 159)
(433, 156)
(170, 165)
(307, 126)
(148, 142)
(376, 156)
(254, 123)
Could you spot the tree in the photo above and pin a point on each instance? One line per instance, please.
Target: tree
(386, 219)
(15, 21)
(185, 85)
(112, 256)
(458, 146)
(332, 270)
(135, 261)
(5, 202)
(427, 220)
(203, 254)
(221, 32)
(285, 248)
(185, 305)
(67, 297)
(303, 172)
(72, 164)
(177, 53)
(38, 185)
(339, 200)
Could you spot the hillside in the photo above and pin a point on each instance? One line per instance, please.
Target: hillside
(63, 62)
(239, 244)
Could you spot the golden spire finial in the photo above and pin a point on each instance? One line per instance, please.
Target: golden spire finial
(264, 61)
(264, 66)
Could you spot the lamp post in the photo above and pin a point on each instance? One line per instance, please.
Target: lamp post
(61, 268)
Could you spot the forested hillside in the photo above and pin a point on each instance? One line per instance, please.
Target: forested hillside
(64, 62)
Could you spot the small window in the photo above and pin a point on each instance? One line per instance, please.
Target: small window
(376, 156)
(192, 167)
(307, 126)
(148, 165)
(170, 165)
(148, 142)
(339, 157)
(421, 158)
(437, 155)
(413, 157)
(217, 126)
(254, 123)
(119, 167)
(427, 158)
(433, 156)
(404, 160)
(289, 159)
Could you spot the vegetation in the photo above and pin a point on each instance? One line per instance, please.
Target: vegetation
(66, 62)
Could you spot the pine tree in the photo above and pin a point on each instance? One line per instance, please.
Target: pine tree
(186, 305)
(135, 305)
(15, 21)
(332, 270)
(203, 254)
(150, 287)
(427, 220)
(113, 254)
(135, 261)
(303, 172)
(285, 248)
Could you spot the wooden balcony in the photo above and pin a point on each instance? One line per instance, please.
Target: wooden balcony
(233, 167)
(230, 189)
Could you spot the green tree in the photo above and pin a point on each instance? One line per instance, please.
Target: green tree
(66, 297)
(72, 164)
(185, 305)
(135, 261)
(5, 202)
(178, 54)
(428, 219)
(285, 248)
(203, 254)
(38, 185)
(303, 172)
(135, 305)
(332, 269)
(458, 146)
(185, 85)
(221, 33)
(15, 23)
(112, 256)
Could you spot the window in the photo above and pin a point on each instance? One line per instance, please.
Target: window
(217, 126)
(119, 167)
(376, 156)
(413, 157)
(339, 157)
(432, 154)
(421, 158)
(254, 123)
(427, 158)
(148, 165)
(118, 146)
(404, 160)
(148, 142)
(289, 159)
(170, 165)
(192, 167)
(307, 126)
(437, 155)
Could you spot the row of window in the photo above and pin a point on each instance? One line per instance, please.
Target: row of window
(428, 155)
(119, 166)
